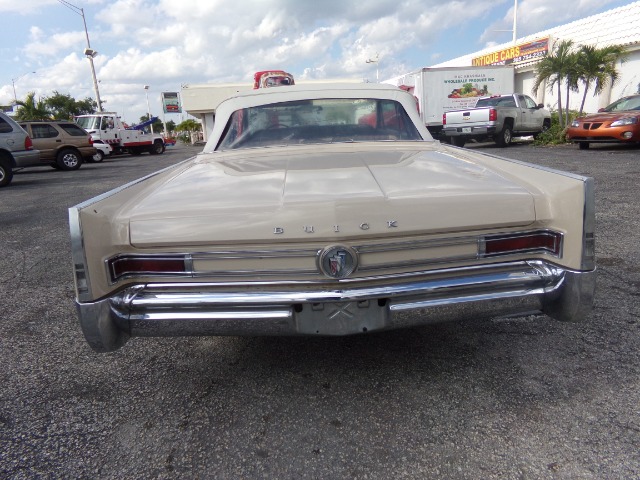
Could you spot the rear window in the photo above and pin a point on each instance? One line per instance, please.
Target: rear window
(42, 130)
(4, 126)
(496, 101)
(318, 121)
(73, 129)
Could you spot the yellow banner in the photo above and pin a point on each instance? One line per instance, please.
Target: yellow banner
(525, 52)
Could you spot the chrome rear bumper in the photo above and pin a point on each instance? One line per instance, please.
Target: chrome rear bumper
(185, 309)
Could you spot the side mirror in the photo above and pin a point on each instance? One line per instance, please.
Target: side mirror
(540, 105)
(601, 110)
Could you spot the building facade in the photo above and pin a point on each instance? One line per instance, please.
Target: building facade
(619, 26)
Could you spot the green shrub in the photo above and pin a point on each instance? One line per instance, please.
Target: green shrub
(555, 135)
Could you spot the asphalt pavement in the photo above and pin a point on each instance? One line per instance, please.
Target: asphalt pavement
(524, 398)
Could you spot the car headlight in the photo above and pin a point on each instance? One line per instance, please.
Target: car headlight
(625, 121)
(575, 123)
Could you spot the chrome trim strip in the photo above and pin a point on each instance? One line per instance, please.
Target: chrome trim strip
(589, 226)
(80, 268)
(363, 249)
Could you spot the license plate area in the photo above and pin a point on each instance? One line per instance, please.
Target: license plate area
(466, 129)
(341, 318)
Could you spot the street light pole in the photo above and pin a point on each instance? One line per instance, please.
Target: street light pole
(515, 19)
(13, 82)
(146, 93)
(88, 52)
(375, 60)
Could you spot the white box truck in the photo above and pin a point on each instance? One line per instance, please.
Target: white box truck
(441, 89)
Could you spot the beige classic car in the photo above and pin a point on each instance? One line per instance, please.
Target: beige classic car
(329, 210)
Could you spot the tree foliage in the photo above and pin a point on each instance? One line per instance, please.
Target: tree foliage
(157, 123)
(598, 67)
(189, 125)
(65, 107)
(32, 109)
(56, 107)
(588, 65)
(554, 69)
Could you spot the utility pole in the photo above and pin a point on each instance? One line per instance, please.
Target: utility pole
(88, 52)
(13, 82)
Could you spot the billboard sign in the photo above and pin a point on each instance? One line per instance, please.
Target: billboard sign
(171, 102)
(524, 52)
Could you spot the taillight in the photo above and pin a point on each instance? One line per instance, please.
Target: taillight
(134, 265)
(529, 242)
(90, 140)
(444, 118)
(493, 115)
(28, 144)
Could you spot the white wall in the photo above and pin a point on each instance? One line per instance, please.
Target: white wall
(626, 85)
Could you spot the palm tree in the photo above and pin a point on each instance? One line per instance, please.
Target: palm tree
(29, 109)
(572, 77)
(598, 66)
(554, 68)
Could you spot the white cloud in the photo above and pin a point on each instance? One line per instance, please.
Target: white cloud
(165, 43)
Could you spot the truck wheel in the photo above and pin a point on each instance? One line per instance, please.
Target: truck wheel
(6, 173)
(583, 145)
(458, 141)
(157, 148)
(98, 157)
(68, 159)
(504, 137)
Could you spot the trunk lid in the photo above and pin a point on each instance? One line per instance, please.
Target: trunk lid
(328, 192)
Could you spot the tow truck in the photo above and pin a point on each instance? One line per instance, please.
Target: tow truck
(107, 127)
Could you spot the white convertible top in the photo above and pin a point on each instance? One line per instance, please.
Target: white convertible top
(267, 96)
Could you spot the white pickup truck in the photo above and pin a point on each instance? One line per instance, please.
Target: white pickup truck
(499, 117)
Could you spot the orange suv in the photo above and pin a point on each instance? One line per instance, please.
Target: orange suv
(64, 145)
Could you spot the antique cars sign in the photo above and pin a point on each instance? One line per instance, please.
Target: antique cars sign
(524, 52)
(329, 210)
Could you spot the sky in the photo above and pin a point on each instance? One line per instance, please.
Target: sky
(167, 43)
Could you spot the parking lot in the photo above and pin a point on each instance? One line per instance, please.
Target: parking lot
(522, 398)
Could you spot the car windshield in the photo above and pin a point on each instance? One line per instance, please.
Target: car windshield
(626, 103)
(318, 121)
(89, 123)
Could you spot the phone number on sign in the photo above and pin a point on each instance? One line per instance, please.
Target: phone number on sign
(529, 56)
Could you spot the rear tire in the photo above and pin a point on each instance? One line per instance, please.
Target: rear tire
(68, 159)
(6, 173)
(505, 136)
(458, 141)
(583, 145)
(157, 148)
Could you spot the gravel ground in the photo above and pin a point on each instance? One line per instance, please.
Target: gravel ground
(526, 398)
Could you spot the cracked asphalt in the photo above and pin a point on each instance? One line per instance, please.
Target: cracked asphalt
(524, 398)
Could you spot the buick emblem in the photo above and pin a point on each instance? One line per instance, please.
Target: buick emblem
(337, 261)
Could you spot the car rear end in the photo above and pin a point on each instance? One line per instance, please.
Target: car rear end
(16, 149)
(405, 263)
